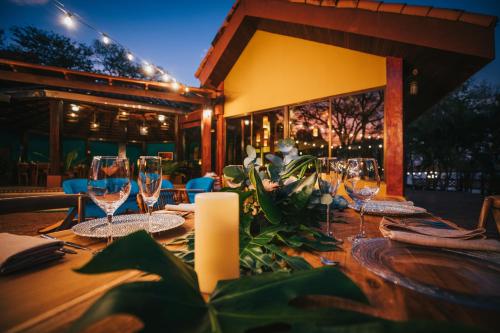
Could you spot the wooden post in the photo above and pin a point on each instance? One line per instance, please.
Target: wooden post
(179, 147)
(330, 132)
(220, 150)
(206, 142)
(393, 128)
(55, 113)
(286, 120)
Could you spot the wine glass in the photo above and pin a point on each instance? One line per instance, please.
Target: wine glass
(109, 185)
(149, 180)
(330, 172)
(362, 183)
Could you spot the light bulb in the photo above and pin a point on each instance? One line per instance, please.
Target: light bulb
(130, 56)
(68, 21)
(75, 107)
(161, 117)
(165, 77)
(105, 39)
(148, 69)
(175, 86)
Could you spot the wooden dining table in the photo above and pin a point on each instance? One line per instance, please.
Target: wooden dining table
(50, 298)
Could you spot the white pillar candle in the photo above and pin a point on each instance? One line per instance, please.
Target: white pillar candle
(216, 238)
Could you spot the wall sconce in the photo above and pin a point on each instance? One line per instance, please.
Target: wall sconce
(207, 113)
(94, 125)
(143, 130)
(414, 82)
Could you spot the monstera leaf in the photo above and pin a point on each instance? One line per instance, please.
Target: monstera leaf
(173, 303)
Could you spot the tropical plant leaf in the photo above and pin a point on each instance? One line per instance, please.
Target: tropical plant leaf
(174, 304)
(236, 173)
(272, 213)
(298, 165)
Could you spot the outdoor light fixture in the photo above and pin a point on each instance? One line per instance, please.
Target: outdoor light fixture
(207, 113)
(161, 117)
(247, 122)
(105, 39)
(68, 21)
(75, 107)
(148, 69)
(414, 83)
(94, 125)
(175, 86)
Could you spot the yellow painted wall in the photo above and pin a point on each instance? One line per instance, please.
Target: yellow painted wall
(275, 70)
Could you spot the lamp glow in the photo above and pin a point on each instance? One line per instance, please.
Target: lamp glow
(161, 117)
(148, 69)
(130, 56)
(105, 39)
(175, 86)
(68, 21)
(75, 107)
(207, 113)
(165, 77)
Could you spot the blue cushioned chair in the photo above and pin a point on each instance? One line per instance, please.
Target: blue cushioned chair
(203, 184)
(79, 185)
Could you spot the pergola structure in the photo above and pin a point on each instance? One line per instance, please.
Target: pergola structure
(253, 60)
(72, 104)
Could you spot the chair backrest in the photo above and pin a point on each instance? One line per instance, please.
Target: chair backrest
(74, 186)
(166, 184)
(202, 183)
(491, 203)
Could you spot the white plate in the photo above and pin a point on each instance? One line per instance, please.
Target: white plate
(126, 224)
(390, 208)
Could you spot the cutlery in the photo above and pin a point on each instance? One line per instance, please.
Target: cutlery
(70, 244)
(69, 251)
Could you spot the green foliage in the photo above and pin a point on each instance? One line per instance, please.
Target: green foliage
(112, 58)
(170, 168)
(271, 301)
(460, 134)
(70, 159)
(47, 48)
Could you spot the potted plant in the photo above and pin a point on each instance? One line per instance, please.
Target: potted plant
(170, 169)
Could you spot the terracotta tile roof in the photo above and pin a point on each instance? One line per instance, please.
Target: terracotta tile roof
(482, 20)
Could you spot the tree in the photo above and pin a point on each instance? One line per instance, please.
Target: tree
(47, 48)
(112, 59)
(459, 136)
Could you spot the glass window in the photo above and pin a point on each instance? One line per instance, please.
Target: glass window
(309, 128)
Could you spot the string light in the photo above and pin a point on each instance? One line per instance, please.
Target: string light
(75, 107)
(69, 19)
(105, 39)
(175, 86)
(148, 69)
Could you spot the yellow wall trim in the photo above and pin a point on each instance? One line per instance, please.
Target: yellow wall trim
(275, 70)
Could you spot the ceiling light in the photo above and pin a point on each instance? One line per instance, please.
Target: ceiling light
(161, 117)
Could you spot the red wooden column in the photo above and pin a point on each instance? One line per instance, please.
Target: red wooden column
(393, 127)
(206, 141)
(220, 149)
(55, 113)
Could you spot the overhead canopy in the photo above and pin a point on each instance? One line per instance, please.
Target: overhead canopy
(120, 105)
(445, 46)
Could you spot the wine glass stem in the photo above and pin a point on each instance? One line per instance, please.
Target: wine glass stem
(150, 212)
(329, 231)
(362, 233)
(110, 231)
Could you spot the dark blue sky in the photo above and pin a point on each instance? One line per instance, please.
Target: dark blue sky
(174, 34)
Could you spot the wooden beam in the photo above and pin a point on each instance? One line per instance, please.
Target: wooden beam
(68, 73)
(393, 128)
(96, 100)
(55, 111)
(206, 143)
(58, 82)
(220, 150)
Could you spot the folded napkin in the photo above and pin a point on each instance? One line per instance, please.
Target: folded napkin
(19, 252)
(180, 207)
(441, 234)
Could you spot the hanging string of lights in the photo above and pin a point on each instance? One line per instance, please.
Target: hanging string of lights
(70, 19)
